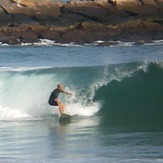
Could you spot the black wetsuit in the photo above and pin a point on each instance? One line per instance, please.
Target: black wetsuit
(53, 96)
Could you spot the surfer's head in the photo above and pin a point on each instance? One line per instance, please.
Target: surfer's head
(60, 87)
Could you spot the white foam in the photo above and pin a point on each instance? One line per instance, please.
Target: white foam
(22, 69)
(26, 96)
(47, 42)
(79, 109)
(12, 114)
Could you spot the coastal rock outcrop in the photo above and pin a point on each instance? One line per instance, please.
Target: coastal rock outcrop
(144, 7)
(80, 21)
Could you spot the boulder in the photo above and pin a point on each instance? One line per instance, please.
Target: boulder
(13, 8)
(49, 34)
(33, 7)
(47, 14)
(28, 3)
(36, 3)
(102, 12)
(27, 37)
(5, 20)
(24, 19)
(142, 8)
(67, 19)
(137, 3)
(127, 3)
(91, 11)
(77, 36)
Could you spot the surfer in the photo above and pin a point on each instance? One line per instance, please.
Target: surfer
(53, 99)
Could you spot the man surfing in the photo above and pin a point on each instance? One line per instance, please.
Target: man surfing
(53, 99)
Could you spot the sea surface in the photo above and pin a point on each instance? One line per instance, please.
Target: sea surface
(116, 106)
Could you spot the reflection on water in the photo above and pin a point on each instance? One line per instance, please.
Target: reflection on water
(44, 138)
(80, 140)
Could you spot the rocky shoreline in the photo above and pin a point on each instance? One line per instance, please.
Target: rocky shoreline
(23, 21)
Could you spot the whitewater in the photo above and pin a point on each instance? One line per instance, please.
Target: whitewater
(116, 106)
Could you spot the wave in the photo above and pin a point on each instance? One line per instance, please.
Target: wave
(128, 94)
(134, 101)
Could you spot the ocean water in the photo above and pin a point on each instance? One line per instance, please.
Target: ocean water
(116, 106)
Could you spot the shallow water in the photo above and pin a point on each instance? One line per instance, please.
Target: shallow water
(80, 141)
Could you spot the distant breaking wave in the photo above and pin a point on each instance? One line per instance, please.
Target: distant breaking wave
(46, 42)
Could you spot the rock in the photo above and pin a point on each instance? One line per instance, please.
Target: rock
(50, 34)
(141, 6)
(36, 3)
(22, 3)
(69, 19)
(88, 24)
(13, 8)
(127, 4)
(27, 37)
(89, 11)
(140, 30)
(81, 21)
(89, 33)
(5, 19)
(42, 10)
(6, 39)
(102, 12)
(47, 15)
(78, 37)
(24, 19)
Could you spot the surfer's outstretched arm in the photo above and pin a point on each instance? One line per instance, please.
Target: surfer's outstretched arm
(66, 92)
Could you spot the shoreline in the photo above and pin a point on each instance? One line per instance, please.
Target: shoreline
(80, 23)
(99, 43)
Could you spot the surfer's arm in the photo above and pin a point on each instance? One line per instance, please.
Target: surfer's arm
(69, 93)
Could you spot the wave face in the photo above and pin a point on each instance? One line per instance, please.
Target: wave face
(136, 100)
(121, 94)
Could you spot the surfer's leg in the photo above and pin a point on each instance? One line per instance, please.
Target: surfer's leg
(61, 107)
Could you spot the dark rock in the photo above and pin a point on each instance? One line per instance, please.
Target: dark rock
(130, 13)
(24, 19)
(5, 19)
(50, 34)
(9, 40)
(69, 19)
(92, 12)
(47, 15)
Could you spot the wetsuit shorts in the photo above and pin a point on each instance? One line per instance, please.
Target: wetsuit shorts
(53, 102)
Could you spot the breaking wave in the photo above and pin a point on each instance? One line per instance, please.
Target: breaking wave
(128, 94)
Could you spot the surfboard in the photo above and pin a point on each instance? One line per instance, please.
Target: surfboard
(65, 119)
